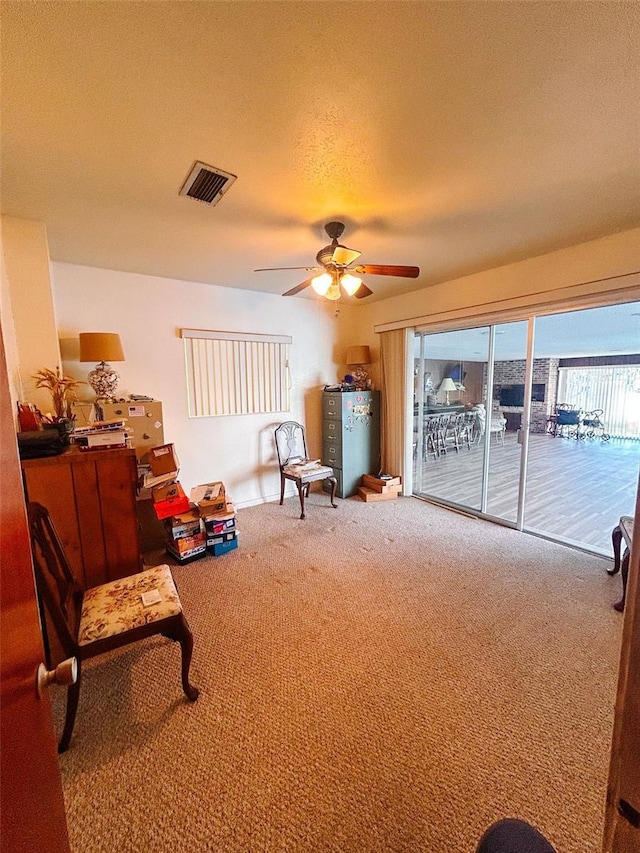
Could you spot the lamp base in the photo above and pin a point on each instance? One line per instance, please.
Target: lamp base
(360, 378)
(104, 381)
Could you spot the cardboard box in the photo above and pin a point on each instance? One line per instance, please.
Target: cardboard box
(186, 524)
(171, 489)
(219, 522)
(172, 506)
(368, 495)
(224, 547)
(384, 486)
(163, 460)
(187, 543)
(210, 498)
(219, 538)
(188, 556)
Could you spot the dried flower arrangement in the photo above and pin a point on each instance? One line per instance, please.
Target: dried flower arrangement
(63, 390)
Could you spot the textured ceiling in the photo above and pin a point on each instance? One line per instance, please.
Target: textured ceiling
(448, 135)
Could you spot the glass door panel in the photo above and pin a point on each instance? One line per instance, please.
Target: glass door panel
(466, 426)
(450, 370)
(507, 410)
(584, 448)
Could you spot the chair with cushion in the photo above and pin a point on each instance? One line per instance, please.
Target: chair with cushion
(295, 465)
(90, 622)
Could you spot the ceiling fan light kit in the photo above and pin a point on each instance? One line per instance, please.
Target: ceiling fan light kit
(336, 259)
(321, 283)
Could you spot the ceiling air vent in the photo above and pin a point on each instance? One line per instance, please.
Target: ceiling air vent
(207, 184)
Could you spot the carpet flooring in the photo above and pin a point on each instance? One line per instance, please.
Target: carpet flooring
(380, 677)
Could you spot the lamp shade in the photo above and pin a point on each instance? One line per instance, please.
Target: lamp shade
(447, 384)
(359, 355)
(100, 346)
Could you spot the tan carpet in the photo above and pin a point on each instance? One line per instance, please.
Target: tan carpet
(380, 677)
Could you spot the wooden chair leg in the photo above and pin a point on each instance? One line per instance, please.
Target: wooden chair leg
(73, 696)
(619, 605)
(301, 491)
(282, 482)
(616, 541)
(181, 633)
(334, 486)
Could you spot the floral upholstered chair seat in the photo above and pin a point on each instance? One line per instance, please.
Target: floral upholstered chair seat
(116, 607)
(308, 470)
(107, 617)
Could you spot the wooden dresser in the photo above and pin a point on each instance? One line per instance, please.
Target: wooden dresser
(91, 496)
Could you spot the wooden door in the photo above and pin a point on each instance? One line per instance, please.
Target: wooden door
(622, 817)
(32, 815)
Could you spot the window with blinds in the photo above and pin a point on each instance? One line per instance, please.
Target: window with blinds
(231, 373)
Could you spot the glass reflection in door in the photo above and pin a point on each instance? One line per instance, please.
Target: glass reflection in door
(467, 445)
(450, 371)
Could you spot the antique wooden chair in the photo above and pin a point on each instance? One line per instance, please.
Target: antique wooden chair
(105, 617)
(296, 466)
(623, 530)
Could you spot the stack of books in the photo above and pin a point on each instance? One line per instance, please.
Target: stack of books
(101, 435)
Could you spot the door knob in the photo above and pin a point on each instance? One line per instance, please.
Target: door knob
(65, 673)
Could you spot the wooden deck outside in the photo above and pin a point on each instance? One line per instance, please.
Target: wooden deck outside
(576, 490)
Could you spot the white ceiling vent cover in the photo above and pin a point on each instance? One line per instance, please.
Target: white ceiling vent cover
(207, 184)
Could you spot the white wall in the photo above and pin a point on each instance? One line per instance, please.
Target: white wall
(147, 312)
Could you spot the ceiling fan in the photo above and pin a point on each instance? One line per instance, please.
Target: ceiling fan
(335, 272)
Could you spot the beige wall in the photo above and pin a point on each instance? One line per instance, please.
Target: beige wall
(9, 333)
(28, 299)
(541, 281)
(147, 312)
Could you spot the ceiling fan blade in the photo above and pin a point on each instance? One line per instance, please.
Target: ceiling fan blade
(362, 291)
(387, 269)
(298, 287)
(275, 269)
(343, 256)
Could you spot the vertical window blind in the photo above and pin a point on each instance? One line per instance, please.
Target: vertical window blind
(615, 389)
(231, 373)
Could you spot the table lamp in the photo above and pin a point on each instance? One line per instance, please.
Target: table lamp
(356, 358)
(447, 385)
(102, 347)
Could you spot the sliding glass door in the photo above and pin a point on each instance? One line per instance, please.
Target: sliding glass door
(467, 415)
(535, 423)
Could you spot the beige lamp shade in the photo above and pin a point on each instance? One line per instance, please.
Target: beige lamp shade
(447, 385)
(359, 355)
(100, 346)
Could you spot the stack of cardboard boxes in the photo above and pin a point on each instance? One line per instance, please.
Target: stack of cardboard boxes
(385, 488)
(218, 517)
(203, 522)
(185, 537)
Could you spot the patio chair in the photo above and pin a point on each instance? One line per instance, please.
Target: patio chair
(431, 444)
(592, 426)
(568, 422)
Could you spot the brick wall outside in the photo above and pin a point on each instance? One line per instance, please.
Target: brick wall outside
(545, 371)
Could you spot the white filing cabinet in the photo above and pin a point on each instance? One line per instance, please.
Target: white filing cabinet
(143, 422)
